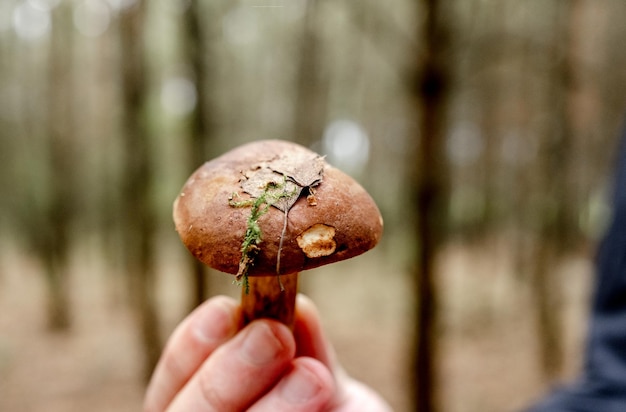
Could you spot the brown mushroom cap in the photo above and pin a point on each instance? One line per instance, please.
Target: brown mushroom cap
(341, 220)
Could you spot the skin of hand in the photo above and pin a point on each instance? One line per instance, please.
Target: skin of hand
(211, 364)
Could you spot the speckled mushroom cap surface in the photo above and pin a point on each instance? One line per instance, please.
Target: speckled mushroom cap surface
(325, 216)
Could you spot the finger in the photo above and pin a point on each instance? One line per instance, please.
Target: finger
(205, 329)
(240, 371)
(309, 334)
(307, 387)
(310, 340)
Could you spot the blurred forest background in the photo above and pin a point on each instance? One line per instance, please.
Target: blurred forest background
(484, 129)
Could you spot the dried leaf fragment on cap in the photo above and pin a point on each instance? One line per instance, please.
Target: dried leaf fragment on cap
(278, 182)
(283, 178)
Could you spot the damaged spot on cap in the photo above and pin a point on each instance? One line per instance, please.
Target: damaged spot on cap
(317, 241)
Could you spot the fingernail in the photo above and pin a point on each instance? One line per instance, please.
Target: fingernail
(300, 386)
(217, 322)
(261, 345)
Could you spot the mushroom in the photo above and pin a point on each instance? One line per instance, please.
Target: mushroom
(266, 211)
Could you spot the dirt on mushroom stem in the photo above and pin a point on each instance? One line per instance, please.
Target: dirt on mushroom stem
(266, 299)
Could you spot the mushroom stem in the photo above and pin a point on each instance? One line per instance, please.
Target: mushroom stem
(265, 299)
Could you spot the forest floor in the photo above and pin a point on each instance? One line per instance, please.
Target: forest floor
(488, 351)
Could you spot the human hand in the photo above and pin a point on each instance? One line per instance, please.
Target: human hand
(210, 364)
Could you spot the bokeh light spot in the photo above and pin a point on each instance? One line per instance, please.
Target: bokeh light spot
(347, 145)
(30, 22)
(178, 96)
(92, 17)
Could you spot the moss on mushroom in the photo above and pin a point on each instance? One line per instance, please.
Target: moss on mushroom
(272, 192)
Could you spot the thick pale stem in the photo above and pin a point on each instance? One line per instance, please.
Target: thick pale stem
(265, 299)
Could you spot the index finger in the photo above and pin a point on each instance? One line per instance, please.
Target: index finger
(205, 329)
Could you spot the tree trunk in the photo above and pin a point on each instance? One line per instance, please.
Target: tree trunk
(430, 194)
(310, 113)
(55, 248)
(140, 219)
(558, 218)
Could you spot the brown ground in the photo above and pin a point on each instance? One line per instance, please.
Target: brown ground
(488, 349)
